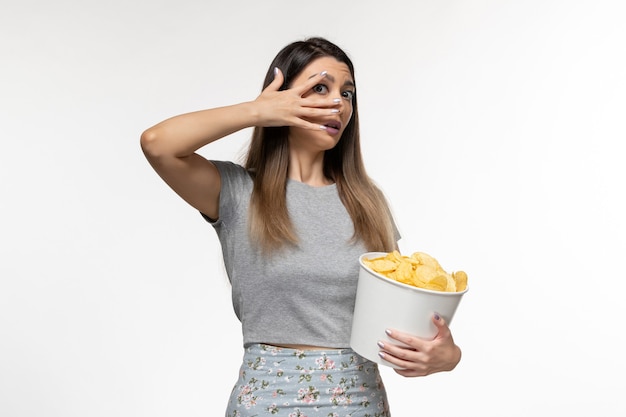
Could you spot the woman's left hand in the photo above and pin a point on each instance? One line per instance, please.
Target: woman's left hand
(422, 357)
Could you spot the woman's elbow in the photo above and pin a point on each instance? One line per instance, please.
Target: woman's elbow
(150, 144)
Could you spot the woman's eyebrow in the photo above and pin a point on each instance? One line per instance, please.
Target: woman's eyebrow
(332, 79)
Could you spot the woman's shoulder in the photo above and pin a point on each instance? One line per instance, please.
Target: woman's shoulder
(233, 176)
(229, 169)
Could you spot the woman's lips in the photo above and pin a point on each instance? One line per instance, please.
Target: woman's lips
(333, 127)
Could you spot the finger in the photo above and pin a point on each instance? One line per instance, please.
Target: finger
(317, 114)
(317, 102)
(298, 122)
(310, 83)
(399, 352)
(402, 357)
(406, 338)
(396, 362)
(404, 367)
(278, 80)
(439, 321)
(442, 327)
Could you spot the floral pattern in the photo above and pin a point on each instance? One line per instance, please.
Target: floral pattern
(285, 382)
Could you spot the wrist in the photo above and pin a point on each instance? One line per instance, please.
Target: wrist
(253, 113)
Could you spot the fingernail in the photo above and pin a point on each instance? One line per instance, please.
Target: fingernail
(322, 127)
(381, 354)
(275, 70)
(437, 317)
(334, 110)
(380, 344)
(388, 332)
(336, 100)
(323, 73)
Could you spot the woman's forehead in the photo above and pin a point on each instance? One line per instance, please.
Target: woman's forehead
(335, 69)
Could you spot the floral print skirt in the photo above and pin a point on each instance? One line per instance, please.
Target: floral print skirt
(286, 382)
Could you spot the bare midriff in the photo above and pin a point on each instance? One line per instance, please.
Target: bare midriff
(303, 347)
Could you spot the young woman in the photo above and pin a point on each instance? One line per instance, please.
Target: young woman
(292, 220)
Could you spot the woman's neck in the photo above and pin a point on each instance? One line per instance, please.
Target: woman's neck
(308, 169)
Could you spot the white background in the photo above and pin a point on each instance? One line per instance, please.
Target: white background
(494, 127)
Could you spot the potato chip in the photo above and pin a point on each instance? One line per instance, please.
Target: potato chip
(425, 259)
(420, 270)
(451, 284)
(460, 278)
(403, 273)
(425, 274)
(382, 265)
(438, 283)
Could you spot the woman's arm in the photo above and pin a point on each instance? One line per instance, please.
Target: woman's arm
(170, 146)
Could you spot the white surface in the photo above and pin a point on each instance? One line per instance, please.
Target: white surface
(494, 127)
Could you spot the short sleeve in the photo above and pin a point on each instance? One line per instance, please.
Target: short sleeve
(236, 185)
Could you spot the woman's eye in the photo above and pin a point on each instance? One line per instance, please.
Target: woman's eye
(348, 95)
(320, 89)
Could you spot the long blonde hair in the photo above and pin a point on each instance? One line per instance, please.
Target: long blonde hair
(268, 160)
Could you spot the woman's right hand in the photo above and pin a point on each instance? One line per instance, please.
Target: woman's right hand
(293, 106)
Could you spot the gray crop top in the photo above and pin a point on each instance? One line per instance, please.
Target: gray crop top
(302, 295)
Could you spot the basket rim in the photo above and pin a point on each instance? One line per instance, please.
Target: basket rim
(401, 284)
